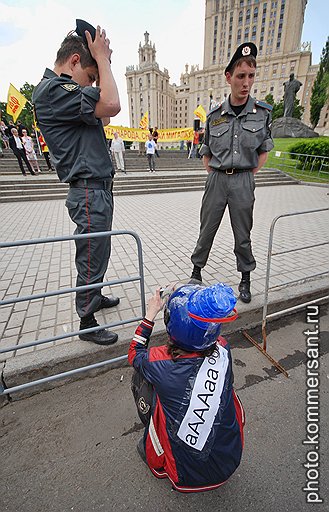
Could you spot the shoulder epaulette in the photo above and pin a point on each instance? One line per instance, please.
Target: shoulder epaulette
(263, 104)
(214, 109)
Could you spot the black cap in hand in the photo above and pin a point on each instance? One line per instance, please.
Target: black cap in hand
(81, 27)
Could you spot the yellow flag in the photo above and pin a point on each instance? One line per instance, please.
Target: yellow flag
(15, 102)
(144, 121)
(200, 113)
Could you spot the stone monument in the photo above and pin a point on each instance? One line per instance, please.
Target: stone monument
(290, 90)
(289, 126)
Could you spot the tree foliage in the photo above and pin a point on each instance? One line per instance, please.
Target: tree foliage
(26, 116)
(278, 108)
(320, 89)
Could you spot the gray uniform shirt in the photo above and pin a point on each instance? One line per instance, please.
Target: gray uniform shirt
(65, 114)
(236, 141)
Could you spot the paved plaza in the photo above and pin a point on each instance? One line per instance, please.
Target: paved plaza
(168, 226)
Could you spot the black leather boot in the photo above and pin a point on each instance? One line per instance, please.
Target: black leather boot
(101, 337)
(244, 287)
(108, 302)
(196, 277)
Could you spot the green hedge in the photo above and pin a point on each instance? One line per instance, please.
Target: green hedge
(316, 147)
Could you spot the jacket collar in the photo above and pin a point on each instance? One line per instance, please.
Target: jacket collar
(51, 74)
(227, 109)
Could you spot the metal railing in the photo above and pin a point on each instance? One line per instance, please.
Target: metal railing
(301, 165)
(62, 291)
(270, 254)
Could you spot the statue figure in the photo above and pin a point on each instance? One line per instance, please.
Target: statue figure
(290, 90)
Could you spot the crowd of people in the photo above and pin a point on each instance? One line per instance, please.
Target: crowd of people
(184, 388)
(15, 137)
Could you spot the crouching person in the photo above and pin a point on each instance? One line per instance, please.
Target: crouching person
(184, 390)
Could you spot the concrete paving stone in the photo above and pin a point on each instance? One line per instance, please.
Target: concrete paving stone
(25, 350)
(5, 313)
(10, 341)
(53, 277)
(65, 282)
(12, 332)
(30, 324)
(51, 301)
(14, 289)
(16, 320)
(29, 281)
(47, 323)
(63, 317)
(4, 284)
(34, 263)
(25, 291)
(48, 312)
(34, 308)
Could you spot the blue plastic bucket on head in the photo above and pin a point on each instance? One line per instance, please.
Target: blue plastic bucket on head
(212, 302)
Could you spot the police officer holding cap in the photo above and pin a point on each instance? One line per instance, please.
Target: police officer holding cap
(71, 113)
(236, 145)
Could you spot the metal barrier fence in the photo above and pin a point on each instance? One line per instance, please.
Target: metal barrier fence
(301, 164)
(270, 254)
(139, 277)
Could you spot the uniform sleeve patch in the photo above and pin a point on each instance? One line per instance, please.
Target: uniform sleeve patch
(70, 87)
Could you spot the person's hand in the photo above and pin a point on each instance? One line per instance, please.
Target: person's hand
(100, 48)
(155, 304)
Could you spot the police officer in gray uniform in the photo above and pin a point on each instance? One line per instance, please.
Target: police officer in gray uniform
(71, 113)
(237, 141)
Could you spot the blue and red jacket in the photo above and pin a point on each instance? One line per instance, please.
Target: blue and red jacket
(195, 435)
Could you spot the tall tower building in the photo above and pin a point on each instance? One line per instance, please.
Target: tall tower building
(274, 26)
(149, 89)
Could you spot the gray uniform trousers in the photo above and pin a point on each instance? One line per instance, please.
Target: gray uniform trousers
(92, 211)
(236, 191)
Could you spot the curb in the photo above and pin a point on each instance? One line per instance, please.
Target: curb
(64, 357)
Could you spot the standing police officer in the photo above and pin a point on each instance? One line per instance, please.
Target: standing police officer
(70, 112)
(237, 141)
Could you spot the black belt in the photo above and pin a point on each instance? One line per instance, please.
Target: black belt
(233, 170)
(90, 183)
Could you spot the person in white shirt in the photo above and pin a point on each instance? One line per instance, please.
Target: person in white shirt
(150, 147)
(117, 149)
(29, 149)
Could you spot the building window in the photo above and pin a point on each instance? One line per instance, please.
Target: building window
(238, 37)
(253, 34)
(240, 18)
(256, 14)
(248, 16)
(246, 33)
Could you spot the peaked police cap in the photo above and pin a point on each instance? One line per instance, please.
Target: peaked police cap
(244, 50)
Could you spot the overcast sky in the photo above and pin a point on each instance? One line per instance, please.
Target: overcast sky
(32, 30)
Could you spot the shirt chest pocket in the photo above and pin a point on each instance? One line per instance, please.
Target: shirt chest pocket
(219, 137)
(253, 133)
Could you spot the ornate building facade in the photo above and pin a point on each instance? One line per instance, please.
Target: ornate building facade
(274, 26)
